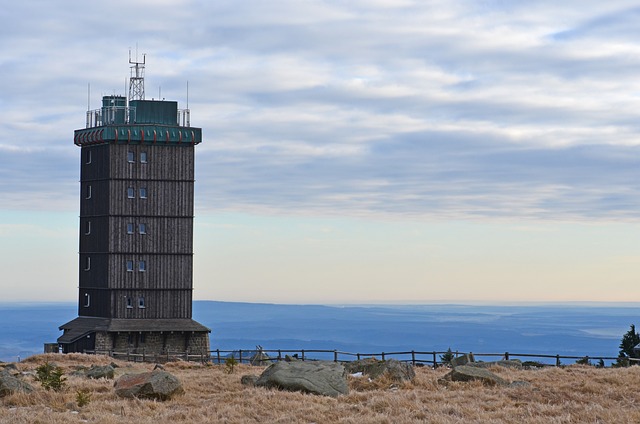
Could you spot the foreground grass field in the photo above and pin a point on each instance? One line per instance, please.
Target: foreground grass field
(574, 394)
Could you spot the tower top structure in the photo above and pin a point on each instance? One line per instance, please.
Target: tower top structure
(136, 79)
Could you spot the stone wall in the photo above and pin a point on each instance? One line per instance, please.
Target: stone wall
(154, 342)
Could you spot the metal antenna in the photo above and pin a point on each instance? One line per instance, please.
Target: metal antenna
(136, 80)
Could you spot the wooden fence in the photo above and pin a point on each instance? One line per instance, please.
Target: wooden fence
(264, 356)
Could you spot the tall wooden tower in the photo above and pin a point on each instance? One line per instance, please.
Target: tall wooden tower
(136, 228)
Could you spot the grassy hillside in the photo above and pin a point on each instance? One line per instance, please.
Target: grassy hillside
(574, 394)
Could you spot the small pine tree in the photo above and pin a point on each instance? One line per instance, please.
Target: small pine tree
(630, 339)
(230, 364)
(50, 377)
(447, 357)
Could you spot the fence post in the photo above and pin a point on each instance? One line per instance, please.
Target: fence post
(335, 356)
(435, 360)
(358, 356)
(143, 356)
(506, 356)
(218, 355)
(558, 360)
(382, 354)
(279, 355)
(302, 354)
(127, 354)
(413, 358)
(240, 354)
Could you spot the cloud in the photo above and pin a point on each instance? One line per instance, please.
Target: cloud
(481, 110)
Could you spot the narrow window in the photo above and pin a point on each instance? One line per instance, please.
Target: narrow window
(88, 194)
(129, 302)
(131, 157)
(130, 228)
(143, 157)
(142, 266)
(87, 228)
(142, 228)
(87, 263)
(131, 193)
(129, 266)
(88, 157)
(143, 193)
(141, 302)
(87, 300)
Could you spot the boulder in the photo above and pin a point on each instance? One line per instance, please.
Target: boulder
(97, 371)
(462, 360)
(512, 363)
(10, 384)
(248, 380)
(318, 377)
(467, 373)
(159, 385)
(372, 368)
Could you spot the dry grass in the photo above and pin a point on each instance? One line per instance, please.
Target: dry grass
(576, 394)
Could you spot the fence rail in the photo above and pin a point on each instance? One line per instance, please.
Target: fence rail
(265, 356)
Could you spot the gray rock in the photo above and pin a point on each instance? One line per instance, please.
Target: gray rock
(10, 384)
(318, 377)
(372, 368)
(513, 363)
(248, 380)
(462, 360)
(467, 373)
(158, 367)
(97, 372)
(159, 385)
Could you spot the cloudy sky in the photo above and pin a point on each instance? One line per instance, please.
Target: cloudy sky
(354, 151)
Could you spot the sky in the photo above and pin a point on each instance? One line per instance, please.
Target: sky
(353, 151)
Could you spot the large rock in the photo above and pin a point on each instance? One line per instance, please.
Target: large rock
(462, 360)
(97, 371)
(10, 384)
(156, 384)
(468, 373)
(512, 363)
(372, 368)
(321, 377)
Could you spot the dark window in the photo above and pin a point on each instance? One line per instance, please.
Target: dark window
(141, 302)
(131, 193)
(142, 228)
(143, 157)
(87, 263)
(87, 300)
(130, 228)
(88, 156)
(87, 228)
(142, 266)
(130, 266)
(143, 193)
(131, 157)
(129, 302)
(88, 194)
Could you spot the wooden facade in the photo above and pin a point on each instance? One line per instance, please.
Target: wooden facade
(136, 226)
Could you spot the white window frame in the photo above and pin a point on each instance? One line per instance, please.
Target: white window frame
(87, 300)
(143, 157)
(87, 263)
(129, 302)
(143, 192)
(130, 227)
(142, 228)
(88, 157)
(129, 266)
(141, 304)
(87, 228)
(142, 266)
(131, 193)
(88, 194)
(131, 157)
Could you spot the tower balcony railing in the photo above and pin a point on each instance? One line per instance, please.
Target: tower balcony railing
(127, 115)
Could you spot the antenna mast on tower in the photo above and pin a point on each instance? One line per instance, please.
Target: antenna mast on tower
(136, 80)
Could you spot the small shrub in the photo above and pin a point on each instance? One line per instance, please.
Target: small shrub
(230, 364)
(50, 377)
(447, 357)
(83, 397)
(584, 361)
